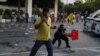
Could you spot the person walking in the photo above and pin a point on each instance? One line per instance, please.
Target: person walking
(43, 25)
(26, 17)
(78, 17)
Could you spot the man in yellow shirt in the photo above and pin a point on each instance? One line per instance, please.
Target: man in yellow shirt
(43, 24)
(70, 18)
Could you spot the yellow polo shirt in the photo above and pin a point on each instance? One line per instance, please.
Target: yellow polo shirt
(71, 17)
(44, 30)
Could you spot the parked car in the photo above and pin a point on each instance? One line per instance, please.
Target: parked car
(89, 21)
(96, 24)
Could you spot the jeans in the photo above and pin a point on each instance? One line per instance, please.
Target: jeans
(57, 37)
(66, 41)
(39, 43)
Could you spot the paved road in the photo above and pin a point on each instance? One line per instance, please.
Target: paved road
(87, 45)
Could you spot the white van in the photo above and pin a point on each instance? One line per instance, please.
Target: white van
(88, 23)
(94, 13)
(96, 28)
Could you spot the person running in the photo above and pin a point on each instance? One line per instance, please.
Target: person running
(43, 26)
(70, 18)
(60, 34)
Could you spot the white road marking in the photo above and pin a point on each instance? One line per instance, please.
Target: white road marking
(97, 55)
(94, 50)
(14, 53)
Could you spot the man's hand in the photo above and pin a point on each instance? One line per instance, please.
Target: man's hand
(37, 26)
(53, 27)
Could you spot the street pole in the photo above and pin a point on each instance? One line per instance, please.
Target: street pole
(56, 9)
(18, 5)
(67, 1)
(28, 6)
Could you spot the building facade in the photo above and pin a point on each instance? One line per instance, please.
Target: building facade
(83, 1)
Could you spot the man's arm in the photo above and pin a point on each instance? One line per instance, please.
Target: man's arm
(38, 23)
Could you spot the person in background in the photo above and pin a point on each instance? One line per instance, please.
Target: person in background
(26, 17)
(70, 18)
(18, 16)
(86, 14)
(35, 18)
(52, 16)
(78, 17)
(13, 17)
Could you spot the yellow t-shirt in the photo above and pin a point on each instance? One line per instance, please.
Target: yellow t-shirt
(71, 17)
(44, 30)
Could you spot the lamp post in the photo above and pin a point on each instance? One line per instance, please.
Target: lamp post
(56, 9)
(18, 5)
(67, 1)
(28, 6)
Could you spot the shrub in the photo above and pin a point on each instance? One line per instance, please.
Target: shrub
(7, 14)
(1, 11)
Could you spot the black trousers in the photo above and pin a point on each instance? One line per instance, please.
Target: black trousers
(39, 43)
(59, 38)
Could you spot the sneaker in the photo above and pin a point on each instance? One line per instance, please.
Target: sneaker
(58, 47)
(70, 51)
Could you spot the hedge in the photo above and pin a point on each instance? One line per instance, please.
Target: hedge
(1, 11)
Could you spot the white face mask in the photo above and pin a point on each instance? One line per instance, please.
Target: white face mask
(48, 14)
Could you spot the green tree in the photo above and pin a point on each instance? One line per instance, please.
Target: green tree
(69, 8)
(1, 11)
(60, 6)
(97, 4)
(79, 6)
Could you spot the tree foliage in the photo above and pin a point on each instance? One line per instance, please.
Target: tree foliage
(97, 4)
(79, 6)
(60, 6)
(1, 11)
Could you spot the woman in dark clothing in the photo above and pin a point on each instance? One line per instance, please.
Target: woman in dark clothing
(60, 34)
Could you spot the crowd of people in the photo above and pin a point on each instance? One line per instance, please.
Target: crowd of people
(15, 16)
(70, 18)
(21, 16)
